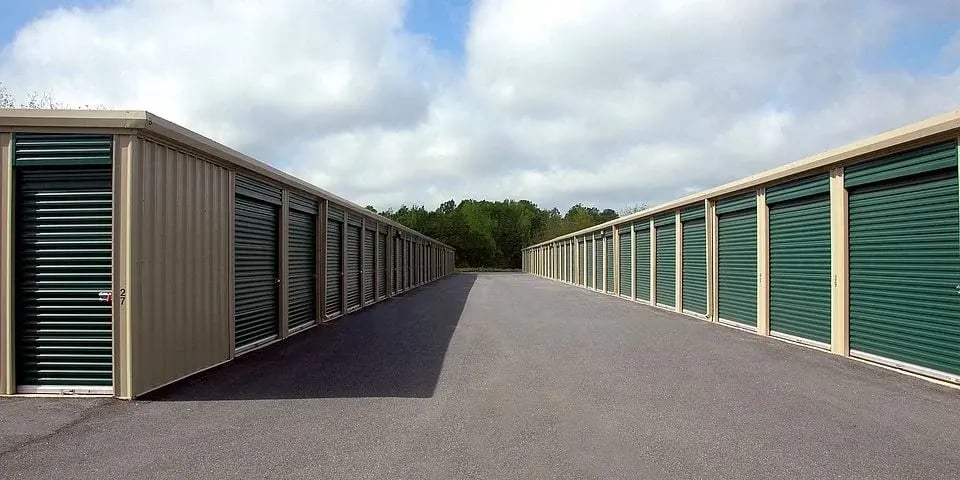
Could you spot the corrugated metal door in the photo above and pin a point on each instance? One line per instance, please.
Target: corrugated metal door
(609, 265)
(382, 264)
(737, 259)
(626, 264)
(589, 261)
(800, 258)
(62, 327)
(369, 265)
(666, 260)
(581, 277)
(397, 262)
(407, 264)
(694, 256)
(256, 263)
(332, 302)
(353, 266)
(905, 259)
(302, 258)
(598, 268)
(642, 260)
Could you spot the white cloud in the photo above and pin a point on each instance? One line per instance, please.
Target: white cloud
(610, 102)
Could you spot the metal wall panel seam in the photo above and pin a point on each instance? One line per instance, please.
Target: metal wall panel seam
(7, 381)
(839, 265)
(763, 264)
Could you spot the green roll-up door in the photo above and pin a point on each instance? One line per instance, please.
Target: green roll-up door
(905, 259)
(61, 150)
(737, 259)
(369, 265)
(256, 263)
(353, 266)
(302, 258)
(642, 260)
(800, 258)
(666, 260)
(63, 250)
(626, 264)
(332, 294)
(610, 264)
(581, 275)
(397, 262)
(589, 262)
(382, 264)
(598, 268)
(694, 257)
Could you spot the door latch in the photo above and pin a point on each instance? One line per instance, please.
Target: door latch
(106, 296)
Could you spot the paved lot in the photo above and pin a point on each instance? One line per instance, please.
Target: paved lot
(505, 376)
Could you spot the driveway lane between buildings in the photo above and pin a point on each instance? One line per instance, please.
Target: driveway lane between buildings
(505, 376)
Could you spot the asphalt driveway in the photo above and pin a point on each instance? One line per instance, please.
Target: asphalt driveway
(505, 376)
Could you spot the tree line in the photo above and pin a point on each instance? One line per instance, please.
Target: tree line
(490, 234)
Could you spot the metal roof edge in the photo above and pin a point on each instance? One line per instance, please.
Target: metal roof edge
(25, 117)
(923, 129)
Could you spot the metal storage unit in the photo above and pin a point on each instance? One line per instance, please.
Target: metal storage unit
(642, 260)
(694, 268)
(369, 265)
(256, 263)
(599, 267)
(626, 264)
(354, 234)
(382, 265)
(800, 259)
(63, 208)
(589, 262)
(737, 259)
(333, 301)
(666, 259)
(581, 271)
(904, 240)
(302, 261)
(609, 285)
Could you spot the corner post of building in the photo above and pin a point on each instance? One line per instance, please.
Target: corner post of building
(7, 380)
(678, 261)
(284, 283)
(633, 260)
(711, 232)
(763, 263)
(121, 267)
(839, 265)
(321, 261)
(653, 263)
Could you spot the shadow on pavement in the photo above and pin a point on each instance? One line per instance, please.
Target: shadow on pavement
(393, 349)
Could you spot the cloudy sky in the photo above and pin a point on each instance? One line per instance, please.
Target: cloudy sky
(604, 102)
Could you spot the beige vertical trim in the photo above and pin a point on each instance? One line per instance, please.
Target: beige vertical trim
(763, 263)
(839, 265)
(653, 263)
(321, 260)
(232, 277)
(633, 261)
(122, 286)
(284, 269)
(678, 260)
(711, 227)
(7, 380)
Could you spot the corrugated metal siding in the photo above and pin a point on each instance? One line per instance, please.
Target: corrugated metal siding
(642, 260)
(694, 266)
(904, 264)
(800, 188)
(302, 258)
(800, 265)
(397, 264)
(589, 261)
(626, 264)
(369, 265)
(45, 149)
(256, 272)
(304, 203)
(332, 302)
(353, 266)
(930, 159)
(666, 263)
(610, 262)
(257, 190)
(581, 276)
(63, 330)
(598, 268)
(382, 264)
(180, 249)
(737, 259)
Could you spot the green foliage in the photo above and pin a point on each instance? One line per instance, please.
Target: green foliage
(492, 234)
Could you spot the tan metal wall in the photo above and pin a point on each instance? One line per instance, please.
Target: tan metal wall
(180, 293)
(7, 386)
